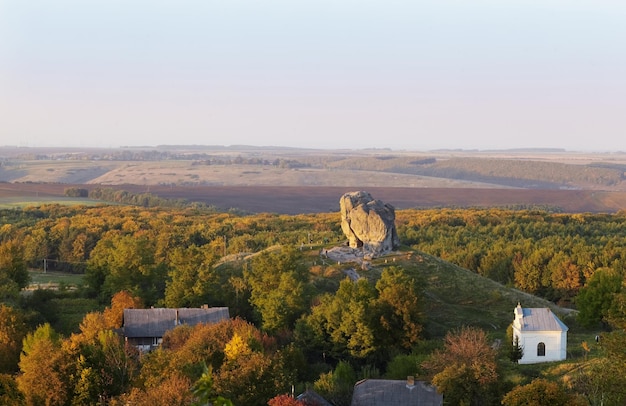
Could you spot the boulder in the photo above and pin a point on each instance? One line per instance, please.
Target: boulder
(368, 223)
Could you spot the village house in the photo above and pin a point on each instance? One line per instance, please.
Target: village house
(144, 328)
(540, 334)
(388, 392)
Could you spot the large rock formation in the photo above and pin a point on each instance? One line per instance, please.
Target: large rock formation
(368, 223)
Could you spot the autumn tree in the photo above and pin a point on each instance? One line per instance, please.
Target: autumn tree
(10, 394)
(539, 392)
(284, 400)
(12, 263)
(400, 308)
(465, 370)
(13, 329)
(174, 390)
(531, 272)
(566, 275)
(114, 314)
(251, 377)
(104, 368)
(42, 356)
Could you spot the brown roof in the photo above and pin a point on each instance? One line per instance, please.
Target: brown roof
(155, 322)
(386, 392)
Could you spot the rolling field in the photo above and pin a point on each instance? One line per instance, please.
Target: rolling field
(311, 181)
(316, 199)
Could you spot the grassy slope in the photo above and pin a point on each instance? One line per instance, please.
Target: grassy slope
(455, 297)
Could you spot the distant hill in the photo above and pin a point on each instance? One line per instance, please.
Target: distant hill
(242, 165)
(292, 180)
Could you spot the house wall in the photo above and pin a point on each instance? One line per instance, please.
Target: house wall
(555, 342)
(145, 344)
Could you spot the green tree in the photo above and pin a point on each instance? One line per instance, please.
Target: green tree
(601, 382)
(278, 289)
(342, 325)
(205, 393)
(515, 351)
(192, 281)
(350, 320)
(595, 300)
(127, 263)
(338, 385)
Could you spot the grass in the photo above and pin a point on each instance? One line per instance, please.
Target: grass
(61, 301)
(456, 297)
(54, 280)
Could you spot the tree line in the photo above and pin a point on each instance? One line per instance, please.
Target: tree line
(296, 321)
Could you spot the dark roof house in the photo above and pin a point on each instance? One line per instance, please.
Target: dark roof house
(387, 392)
(312, 398)
(145, 328)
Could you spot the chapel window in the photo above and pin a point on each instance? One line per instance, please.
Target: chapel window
(541, 350)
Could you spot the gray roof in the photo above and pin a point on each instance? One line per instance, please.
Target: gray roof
(312, 398)
(385, 392)
(541, 319)
(155, 322)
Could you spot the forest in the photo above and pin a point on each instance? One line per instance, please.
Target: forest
(297, 322)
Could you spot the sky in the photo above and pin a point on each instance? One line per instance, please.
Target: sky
(399, 74)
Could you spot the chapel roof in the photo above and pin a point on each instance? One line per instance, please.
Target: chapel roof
(539, 319)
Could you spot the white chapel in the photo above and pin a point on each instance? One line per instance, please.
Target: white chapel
(540, 333)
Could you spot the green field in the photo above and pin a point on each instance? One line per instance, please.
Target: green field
(54, 280)
(19, 202)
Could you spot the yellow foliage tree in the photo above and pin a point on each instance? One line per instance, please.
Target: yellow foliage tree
(236, 348)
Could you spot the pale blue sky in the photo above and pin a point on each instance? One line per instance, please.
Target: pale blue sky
(401, 74)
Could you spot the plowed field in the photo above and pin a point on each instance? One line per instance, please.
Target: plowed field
(314, 199)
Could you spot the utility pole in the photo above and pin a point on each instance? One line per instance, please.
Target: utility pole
(45, 265)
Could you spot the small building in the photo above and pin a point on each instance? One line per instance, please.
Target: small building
(144, 328)
(388, 392)
(540, 334)
(312, 398)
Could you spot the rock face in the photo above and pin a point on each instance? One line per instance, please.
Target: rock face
(368, 223)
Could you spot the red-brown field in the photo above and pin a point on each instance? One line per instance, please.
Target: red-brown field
(314, 199)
